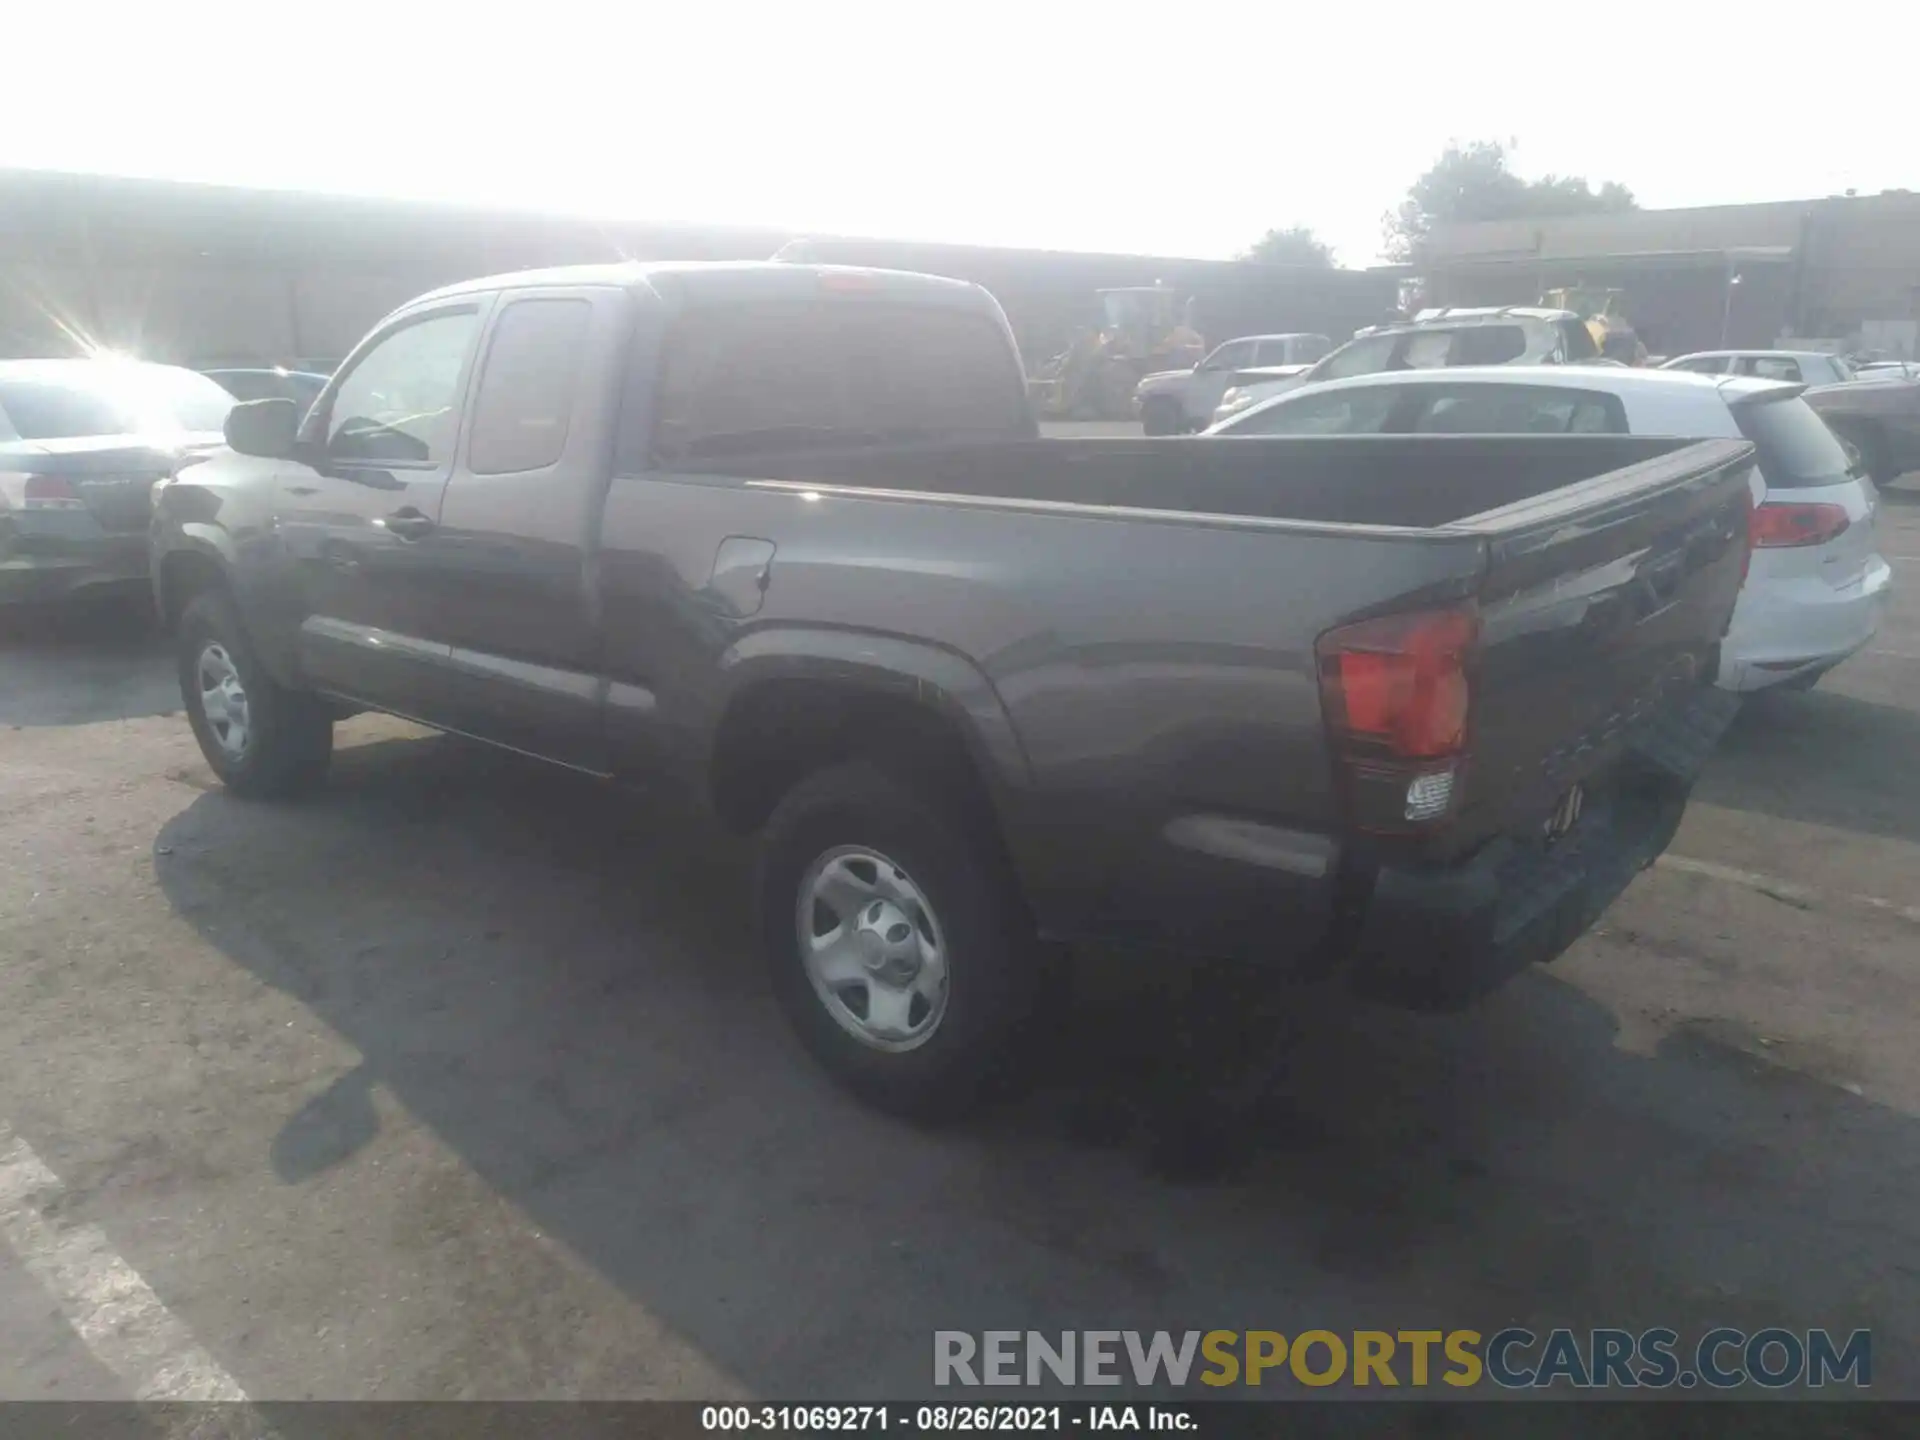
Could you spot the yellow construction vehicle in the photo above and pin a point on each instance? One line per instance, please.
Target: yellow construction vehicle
(1600, 310)
(1142, 329)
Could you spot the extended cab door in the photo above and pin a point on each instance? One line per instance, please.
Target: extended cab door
(520, 521)
(357, 510)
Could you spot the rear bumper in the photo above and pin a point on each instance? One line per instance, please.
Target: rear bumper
(50, 561)
(1430, 937)
(1438, 939)
(1784, 629)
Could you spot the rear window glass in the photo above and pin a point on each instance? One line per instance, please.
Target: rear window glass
(39, 411)
(736, 381)
(1578, 341)
(112, 399)
(1769, 367)
(1795, 445)
(1488, 345)
(1520, 410)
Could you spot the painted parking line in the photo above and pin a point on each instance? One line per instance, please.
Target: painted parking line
(1788, 892)
(113, 1311)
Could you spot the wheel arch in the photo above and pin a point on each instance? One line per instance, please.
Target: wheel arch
(794, 700)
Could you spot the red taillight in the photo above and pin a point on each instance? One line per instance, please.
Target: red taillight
(37, 492)
(1399, 684)
(50, 489)
(1779, 525)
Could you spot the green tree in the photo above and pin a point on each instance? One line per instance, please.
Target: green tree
(1473, 182)
(1296, 245)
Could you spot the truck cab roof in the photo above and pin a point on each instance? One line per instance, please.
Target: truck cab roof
(714, 281)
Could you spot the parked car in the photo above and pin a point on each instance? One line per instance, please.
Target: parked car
(1876, 415)
(787, 534)
(1818, 583)
(1887, 369)
(1170, 402)
(1811, 367)
(300, 386)
(1438, 339)
(81, 444)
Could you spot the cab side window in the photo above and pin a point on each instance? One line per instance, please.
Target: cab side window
(399, 404)
(524, 405)
(1234, 355)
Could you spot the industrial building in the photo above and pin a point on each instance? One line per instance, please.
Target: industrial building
(206, 275)
(1844, 270)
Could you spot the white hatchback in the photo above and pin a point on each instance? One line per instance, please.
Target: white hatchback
(1818, 583)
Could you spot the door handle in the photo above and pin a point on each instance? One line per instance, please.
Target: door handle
(407, 523)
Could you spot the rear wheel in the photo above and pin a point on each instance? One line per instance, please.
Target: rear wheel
(1160, 416)
(261, 738)
(896, 941)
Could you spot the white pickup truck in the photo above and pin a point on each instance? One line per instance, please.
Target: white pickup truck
(1171, 402)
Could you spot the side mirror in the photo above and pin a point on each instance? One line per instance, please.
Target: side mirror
(265, 428)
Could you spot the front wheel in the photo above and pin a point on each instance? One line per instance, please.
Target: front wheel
(897, 943)
(259, 737)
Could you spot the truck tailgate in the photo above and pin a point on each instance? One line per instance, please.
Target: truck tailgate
(1600, 603)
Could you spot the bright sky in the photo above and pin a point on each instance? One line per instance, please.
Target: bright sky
(1164, 128)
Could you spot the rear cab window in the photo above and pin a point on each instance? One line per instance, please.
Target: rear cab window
(753, 379)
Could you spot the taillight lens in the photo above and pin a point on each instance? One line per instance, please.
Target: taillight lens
(1396, 692)
(22, 491)
(50, 492)
(1782, 525)
(1399, 683)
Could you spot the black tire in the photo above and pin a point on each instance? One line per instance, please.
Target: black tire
(994, 970)
(290, 734)
(1870, 443)
(1160, 416)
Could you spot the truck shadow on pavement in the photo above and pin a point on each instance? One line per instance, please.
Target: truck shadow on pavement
(78, 664)
(1822, 758)
(563, 987)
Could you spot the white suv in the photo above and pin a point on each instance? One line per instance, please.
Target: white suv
(1437, 340)
(1170, 402)
(1818, 583)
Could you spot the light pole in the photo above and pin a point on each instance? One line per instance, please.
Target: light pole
(1726, 310)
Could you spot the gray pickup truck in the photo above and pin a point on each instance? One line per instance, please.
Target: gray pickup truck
(1405, 710)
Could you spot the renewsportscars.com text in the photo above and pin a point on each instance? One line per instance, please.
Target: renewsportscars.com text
(1514, 1358)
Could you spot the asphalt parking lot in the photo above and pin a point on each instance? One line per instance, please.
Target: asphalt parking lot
(459, 1081)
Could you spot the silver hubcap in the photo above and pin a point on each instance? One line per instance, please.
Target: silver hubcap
(872, 948)
(223, 700)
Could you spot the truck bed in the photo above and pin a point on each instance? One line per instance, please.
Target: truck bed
(1147, 610)
(1415, 481)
